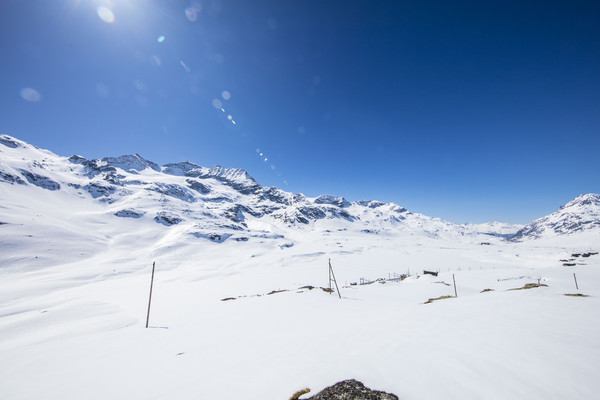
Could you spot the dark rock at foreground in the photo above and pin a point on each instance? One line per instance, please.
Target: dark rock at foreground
(351, 390)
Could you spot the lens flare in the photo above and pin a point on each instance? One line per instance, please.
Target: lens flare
(226, 95)
(31, 95)
(161, 38)
(217, 104)
(106, 14)
(191, 13)
(187, 69)
(229, 117)
(157, 61)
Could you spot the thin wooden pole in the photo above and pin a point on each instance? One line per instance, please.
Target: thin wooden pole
(334, 280)
(150, 298)
(330, 291)
(453, 280)
(574, 277)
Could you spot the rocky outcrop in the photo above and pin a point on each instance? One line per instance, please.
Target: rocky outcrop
(132, 163)
(10, 178)
(333, 200)
(41, 181)
(9, 142)
(173, 190)
(348, 390)
(129, 213)
(98, 190)
(167, 219)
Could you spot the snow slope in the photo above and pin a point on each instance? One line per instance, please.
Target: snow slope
(579, 215)
(75, 277)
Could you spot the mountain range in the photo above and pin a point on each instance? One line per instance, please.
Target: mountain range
(220, 204)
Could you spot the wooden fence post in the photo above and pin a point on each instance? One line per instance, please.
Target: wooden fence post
(150, 298)
(454, 281)
(576, 285)
(332, 278)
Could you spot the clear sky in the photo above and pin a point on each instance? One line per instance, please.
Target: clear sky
(470, 111)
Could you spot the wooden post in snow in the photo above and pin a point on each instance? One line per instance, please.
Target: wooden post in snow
(330, 291)
(332, 278)
(574, 277)
(150, 298)
(454, 281)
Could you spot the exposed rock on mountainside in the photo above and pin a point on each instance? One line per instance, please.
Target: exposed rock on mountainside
(41, 181)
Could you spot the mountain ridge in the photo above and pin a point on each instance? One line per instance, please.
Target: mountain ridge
(220, 202)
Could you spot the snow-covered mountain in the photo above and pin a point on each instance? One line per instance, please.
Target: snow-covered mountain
(578, 215)
(215, 203)
(221, 204)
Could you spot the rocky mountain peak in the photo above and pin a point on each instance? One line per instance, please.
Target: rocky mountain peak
(589, 199)
(580, 214)
(131, 163)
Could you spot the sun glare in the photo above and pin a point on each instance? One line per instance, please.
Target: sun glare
(106, 14)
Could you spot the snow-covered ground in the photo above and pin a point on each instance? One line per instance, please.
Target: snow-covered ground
(72, 329)
(77, 244)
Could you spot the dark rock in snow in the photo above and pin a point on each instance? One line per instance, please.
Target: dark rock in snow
(370, 231)
(114, 178)
(215, 237)
(370, 203)
(172, 190)
(129, 214)
(333, 200)
(10, 178)
(313, 213)
(218, 199)
(167, 219)
(99, 190)
(275, 195)
(75, 159)
(197, 186)
(340, 213)
(94, 168)
(42, 181)
(269, 236)
(9, 142)
(351, 390)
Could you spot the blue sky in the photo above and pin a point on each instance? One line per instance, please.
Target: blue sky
(469, 111)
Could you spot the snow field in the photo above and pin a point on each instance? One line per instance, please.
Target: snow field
(83, 336)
